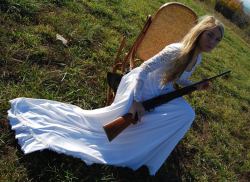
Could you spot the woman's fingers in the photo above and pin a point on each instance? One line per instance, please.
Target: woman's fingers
(140, 114)
(137, 110)
(204, 86)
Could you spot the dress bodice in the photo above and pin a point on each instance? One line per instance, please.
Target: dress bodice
(152, 71)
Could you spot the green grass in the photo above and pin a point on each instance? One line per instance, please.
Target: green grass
(34, 64)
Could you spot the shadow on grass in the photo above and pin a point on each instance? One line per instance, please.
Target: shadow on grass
(47, 165)
(50, 166)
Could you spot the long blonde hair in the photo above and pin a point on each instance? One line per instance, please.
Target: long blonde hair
(189, 46)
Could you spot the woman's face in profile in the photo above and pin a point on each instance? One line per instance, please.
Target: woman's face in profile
(209, 39)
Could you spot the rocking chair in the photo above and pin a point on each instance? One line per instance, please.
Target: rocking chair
(169, 25)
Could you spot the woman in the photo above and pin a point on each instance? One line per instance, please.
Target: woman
(64, 128)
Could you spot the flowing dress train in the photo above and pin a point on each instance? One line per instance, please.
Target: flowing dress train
(64, 128)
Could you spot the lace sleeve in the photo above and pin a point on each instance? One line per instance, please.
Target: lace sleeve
(160, 60)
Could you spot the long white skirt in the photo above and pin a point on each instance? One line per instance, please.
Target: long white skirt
(64, 128)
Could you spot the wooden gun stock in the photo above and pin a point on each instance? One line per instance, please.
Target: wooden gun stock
(116, 126)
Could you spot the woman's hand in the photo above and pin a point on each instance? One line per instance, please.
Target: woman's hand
(137, 109)
(204, 86)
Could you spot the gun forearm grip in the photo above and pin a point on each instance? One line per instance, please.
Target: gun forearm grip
(116, 126)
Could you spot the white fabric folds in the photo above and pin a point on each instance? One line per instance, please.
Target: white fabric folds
(45, 124)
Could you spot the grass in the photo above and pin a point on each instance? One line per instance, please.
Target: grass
(34, 64)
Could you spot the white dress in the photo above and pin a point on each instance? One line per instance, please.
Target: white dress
(64, 128)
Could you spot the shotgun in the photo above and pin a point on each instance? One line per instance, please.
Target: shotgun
(116, 126)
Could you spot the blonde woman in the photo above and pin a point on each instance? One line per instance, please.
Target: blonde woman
(64, 128)
(177, 61)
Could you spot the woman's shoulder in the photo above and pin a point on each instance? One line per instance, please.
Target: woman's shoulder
(169, 52)
(174, 46)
